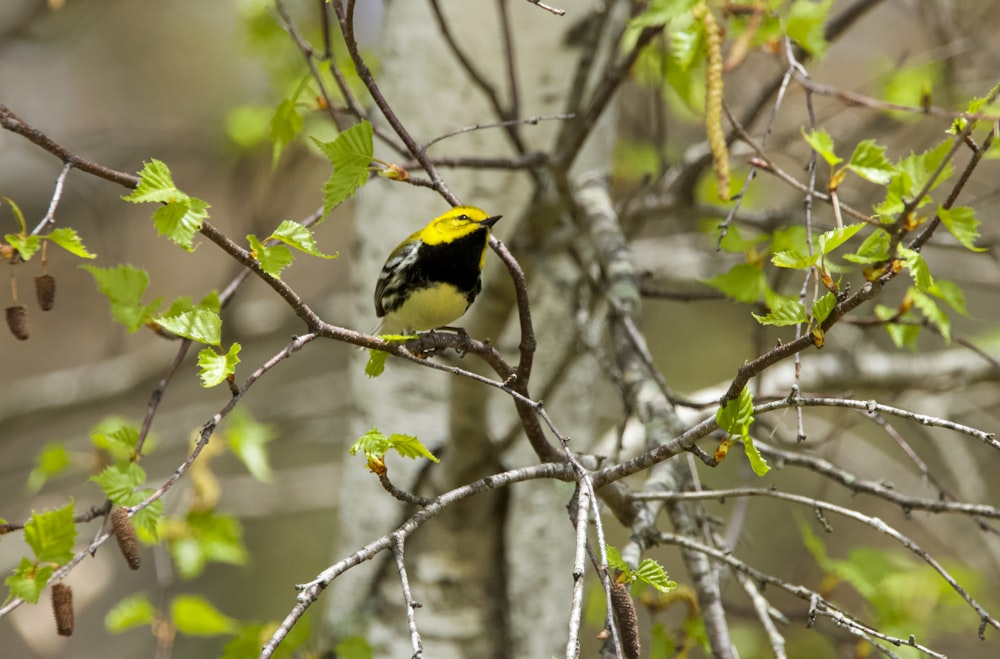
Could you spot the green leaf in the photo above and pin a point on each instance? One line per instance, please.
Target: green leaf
(962, 223)
(870, 163)
(874, 249)
(22, 226)
(615, 559)
(949, 292)
(376, 363)
(736, 416)
(822, 143)
(148, 519)
(70, 241)
(193, 615)
(783, 314)
(198, 325)
(50, 462)
(119, 481)
(410, 447)
(117, 437)
(286, 124)
(301, 238)
(28, 580)
(822, 307)
(375, 445)
(921, 274)
(248, 439)
(652, 573)
(51, 535)
(793, 259)
(181, 220)
(903, 336)
(354, 647)
(734, 241)
(743, 282)
(804, 25)
(131, 612)
(214, 368)
(910, 84)
(757, 461)
(248, 125)
(350, 154)
(831, 240)
(156, 185)
(272, 259)
(932, 312)
(661, 12)
(203, 537)
(26, 246)
(124, 286)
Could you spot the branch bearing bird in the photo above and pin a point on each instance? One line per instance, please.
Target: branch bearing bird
(432, 277)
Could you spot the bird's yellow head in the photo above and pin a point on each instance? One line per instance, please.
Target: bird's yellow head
(456, 223)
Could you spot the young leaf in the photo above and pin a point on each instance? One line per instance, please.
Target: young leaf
(198, 325)
(922, 279)
(794, 259)
(350, 154)
(301, 238)
(410, 447)
(375, 445)
(869, 162)
(272, 259)
(180, 220)
(248, 439)
(874, 249)
(736, 416)
(743, 283)
(805, 25)
(376, 363)
(124, 286)
(757, 461)
(148, 519)
(22, 226)
(133, 611)
(615, 559)
(822, 143)
(29, 580)
(26, 246)
(70, 241)
(652, 573)
(962, 223)
(286, 124)
(156, 185)
(782, 314)
(932, 312)
(118, 482)
(51, 535)
(50, 462)
(195, 616)
(831, 240)
(822, 307)
(950, 293)
(215, 368)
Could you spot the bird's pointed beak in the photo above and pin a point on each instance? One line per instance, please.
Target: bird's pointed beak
(490, 221)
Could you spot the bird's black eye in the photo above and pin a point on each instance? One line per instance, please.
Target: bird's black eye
(463, 216)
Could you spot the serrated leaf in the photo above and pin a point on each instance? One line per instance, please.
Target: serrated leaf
(736, 416)
(783, 314)
(919, 271)
(124, 287)
(203, 537)
(26, 246)
(131, 612)
(870, 163)
(410, 447)
(118, 482)
(652, 573)
(194, 615)
(376, 363)
(962, 223)
(805, 25)
(29, 580)
(615, 559)
(301, 238)
(950, 292)
(181, 220)
(874, 249)
(156, 185)
(70, 241)
(51, 461)
(822, 144)
(248, 439)
(117, 437)
(757, 461)
(51, 535)
(822, 307)
(148, 519)
(350, 154)
(932, 312)
(214, 368)
(198, 325)
(272, 259)
(373, 444)
(831, 240)
(793, 259)
(743, 282)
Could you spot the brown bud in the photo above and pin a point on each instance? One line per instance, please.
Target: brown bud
(628, 622)
(45, 291)
(17, 321)
(121, 526)
(62, 608)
